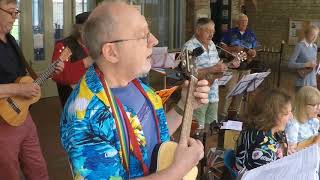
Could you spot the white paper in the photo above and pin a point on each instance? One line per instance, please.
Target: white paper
(248, 83)
(225, 78)
(302, 165)
(233, 125)
(160, 58)
(259, 79)
(38, 41)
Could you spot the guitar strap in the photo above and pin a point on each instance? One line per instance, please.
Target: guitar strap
(127, 137)
(22, 58)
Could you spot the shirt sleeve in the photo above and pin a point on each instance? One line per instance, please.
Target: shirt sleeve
(92, 145)
(292, 131)
(293, 64)
(254, 40)
(72, 71)
(315, 126)
(188, 45)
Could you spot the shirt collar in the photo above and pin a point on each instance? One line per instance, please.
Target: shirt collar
(308, 44)
(196, 41)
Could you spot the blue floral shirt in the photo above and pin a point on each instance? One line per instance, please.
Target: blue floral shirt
(207, 59)
(89, 134)
(256, 148)
(297, 132)
(233, 37)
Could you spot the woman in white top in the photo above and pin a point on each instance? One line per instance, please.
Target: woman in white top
(302, 129)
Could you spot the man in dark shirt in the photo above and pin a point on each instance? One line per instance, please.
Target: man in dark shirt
(19, 144)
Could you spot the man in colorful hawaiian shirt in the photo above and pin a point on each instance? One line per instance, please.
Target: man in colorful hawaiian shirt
(111, 121)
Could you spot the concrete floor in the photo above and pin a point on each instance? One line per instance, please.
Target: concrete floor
(46, 115)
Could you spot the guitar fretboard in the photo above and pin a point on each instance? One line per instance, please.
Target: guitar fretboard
(45, 75)
(188, 109)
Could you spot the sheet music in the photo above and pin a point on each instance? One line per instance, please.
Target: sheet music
(225, 78)
(248, 83)
(259, 79)
(161, 58)
(233, 125)
(302, 165)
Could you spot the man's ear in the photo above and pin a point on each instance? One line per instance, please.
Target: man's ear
(197, 30)
(109, 52)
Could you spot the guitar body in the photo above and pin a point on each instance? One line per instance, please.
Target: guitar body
(16, 116)
(14, 110)
(163, 156)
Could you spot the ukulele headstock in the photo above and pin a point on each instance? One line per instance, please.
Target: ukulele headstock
(65, 53)
(241, 56)
(187, 59)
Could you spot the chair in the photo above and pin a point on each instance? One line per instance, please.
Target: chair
(229, 160)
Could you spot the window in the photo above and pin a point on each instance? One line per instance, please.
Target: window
(166, 20)
(81, 6)
(57, 17)
(157, 15)
(38, 29)
(16, 27)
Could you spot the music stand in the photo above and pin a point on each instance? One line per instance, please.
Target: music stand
(225, 78)
(248, 83)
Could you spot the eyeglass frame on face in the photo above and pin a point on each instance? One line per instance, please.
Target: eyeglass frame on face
(146, 37)
(314, 105)
(14, 14)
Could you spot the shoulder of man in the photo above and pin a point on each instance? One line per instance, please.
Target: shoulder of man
(190, 43)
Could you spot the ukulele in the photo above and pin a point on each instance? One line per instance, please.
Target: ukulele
(303, 72)
(163, 154)
(14, 110)
(241, 56)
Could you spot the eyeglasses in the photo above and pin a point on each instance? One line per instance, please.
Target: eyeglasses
(314, 105)
(146, 37)
(13, 14)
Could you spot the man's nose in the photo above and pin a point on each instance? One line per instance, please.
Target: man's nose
(153, 41)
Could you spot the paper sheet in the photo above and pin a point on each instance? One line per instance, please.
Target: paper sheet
(225, 78)
(233, 125)
(160, 58)
(302, 165)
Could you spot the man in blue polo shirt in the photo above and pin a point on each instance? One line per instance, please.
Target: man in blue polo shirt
(235, 40)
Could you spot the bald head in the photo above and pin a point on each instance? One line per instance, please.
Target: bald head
(242, 22)
(108, 22)
(8, 2)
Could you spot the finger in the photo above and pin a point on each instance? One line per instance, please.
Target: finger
(203, 89)
(202, 83)
(36, 86)
(183, 141)
(198, 95)
(203, 101)
(192, 142)
(199, 143)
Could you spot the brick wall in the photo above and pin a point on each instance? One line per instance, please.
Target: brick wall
(194, 10)
(235, 10)
(270, 22)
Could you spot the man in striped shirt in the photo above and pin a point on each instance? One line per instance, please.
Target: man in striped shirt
(207, 63)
